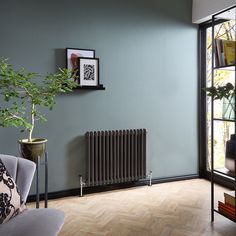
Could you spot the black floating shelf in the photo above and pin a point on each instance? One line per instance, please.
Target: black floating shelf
(227, 67)
(221, 119)
(225, 172)
(99, 87)
(232, 219)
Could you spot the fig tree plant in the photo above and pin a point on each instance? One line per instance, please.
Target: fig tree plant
(22, 93)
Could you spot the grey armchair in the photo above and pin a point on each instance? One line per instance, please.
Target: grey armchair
(32, 222)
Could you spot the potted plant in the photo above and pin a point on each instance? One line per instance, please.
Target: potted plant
(227, 94)
(23, 93)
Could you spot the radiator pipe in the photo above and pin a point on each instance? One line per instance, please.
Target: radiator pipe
(150, 178)
(82, 184)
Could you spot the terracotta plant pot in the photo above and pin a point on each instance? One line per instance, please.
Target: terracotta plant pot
(32, 150)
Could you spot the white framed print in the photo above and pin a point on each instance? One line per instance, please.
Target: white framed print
(88, 71)
(72, 56)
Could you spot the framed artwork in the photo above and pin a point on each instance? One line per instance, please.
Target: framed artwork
(88, 71)
(72, 57)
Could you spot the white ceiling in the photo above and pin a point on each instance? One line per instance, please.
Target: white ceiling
(204, 9)
(230, 14)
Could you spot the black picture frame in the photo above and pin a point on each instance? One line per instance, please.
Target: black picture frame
(95, 66)
(72, 61)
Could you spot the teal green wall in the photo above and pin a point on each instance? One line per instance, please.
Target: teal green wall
(148, 56)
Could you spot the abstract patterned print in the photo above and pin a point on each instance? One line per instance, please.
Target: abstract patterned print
(11, 203)
(89, 71)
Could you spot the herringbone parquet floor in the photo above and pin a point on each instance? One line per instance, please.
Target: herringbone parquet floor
(169, 209)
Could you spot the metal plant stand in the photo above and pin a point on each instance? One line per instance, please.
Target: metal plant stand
(38, 164)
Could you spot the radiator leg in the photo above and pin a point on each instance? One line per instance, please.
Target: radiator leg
(82, 184)
(150, 178)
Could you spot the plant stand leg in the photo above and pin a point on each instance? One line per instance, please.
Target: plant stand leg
(46, 181)
(37, 182)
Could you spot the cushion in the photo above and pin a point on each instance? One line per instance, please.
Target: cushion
(11, 203)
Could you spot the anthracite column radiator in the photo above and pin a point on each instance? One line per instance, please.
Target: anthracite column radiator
(116, 156)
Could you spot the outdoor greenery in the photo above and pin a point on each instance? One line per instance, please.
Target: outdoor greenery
(24, 92)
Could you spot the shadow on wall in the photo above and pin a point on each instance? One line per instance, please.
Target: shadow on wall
(76, 161)
(60, 58)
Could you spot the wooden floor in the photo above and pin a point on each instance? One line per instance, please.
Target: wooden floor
(170, 209)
